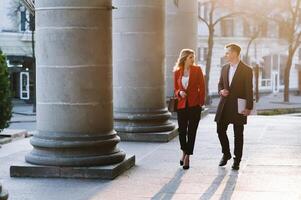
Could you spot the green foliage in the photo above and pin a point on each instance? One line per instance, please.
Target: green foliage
(5, 99)
(280, 111)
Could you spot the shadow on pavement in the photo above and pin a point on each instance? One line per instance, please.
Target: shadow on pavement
(215, 184)
(172, 185)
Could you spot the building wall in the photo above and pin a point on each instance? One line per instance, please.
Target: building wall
(13, 41)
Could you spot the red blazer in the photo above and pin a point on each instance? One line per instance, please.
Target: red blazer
(195, 90)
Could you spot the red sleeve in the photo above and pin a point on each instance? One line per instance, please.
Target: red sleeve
(202, 88)
(176, 85)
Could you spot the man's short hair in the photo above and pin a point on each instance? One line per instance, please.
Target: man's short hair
(234, 47)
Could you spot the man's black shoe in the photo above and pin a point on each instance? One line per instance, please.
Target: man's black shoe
(235, 165)
(224, 160)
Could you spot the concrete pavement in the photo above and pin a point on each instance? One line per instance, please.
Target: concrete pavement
(270, 168)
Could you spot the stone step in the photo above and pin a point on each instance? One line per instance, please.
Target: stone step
(7, 135)
(14, 133)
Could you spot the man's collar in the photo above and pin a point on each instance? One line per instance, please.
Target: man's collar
(234, 65)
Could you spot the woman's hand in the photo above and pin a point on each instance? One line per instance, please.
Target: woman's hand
(224, 92)
(182, 94)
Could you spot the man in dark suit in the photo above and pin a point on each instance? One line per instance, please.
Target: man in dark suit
(235, 82)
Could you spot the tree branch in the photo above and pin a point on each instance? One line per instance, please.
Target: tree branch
(203, 20)
(176, 2)
(297, 42)
(291, 9)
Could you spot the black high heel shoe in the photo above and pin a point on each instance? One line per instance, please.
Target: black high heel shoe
(185, 166)
(182, 161)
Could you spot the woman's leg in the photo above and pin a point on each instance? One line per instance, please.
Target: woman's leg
(194, 118)
(183, 123)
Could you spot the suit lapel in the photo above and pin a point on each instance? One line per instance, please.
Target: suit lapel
(226, 76)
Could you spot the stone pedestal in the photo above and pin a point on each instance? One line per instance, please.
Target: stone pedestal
(139, 88)
(74, 86)
(181, 32)
(3, 193)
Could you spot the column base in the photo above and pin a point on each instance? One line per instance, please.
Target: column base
(96, 172)
(165, 136)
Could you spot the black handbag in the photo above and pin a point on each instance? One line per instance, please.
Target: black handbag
(172, 104)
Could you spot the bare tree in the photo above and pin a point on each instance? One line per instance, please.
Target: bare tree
(288, 15)
(291, 19)
(254, 19)
(211, 19)
(14, 9)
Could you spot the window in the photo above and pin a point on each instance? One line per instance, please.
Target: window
(283, 30)
(23, 19)
(202, 54)
(266, 70)
(227, 28)
(264, 29)
(247, 29)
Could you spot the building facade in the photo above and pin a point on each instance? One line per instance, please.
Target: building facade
(269, 51)
(16, 43)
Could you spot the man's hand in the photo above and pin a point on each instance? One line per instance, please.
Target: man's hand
(224, 92)
(183, 94)
(246, 112)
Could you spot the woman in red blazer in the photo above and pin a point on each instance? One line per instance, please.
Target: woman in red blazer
(189, 88)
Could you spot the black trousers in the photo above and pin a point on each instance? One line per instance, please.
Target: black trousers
(188, 121)
(238, 138)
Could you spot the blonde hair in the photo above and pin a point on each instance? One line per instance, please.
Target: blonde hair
(182, 57)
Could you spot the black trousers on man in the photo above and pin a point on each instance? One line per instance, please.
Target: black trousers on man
(188, 121)
(238, 139)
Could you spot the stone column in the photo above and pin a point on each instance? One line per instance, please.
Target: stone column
(3, 193)
(181, 32)
(138, 66)
(74, 85)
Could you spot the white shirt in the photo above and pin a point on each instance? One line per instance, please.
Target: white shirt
(185, 80)
(232, 71)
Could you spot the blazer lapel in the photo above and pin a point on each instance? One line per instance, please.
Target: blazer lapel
(226, 77)
(190, 77)
(180, 79)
